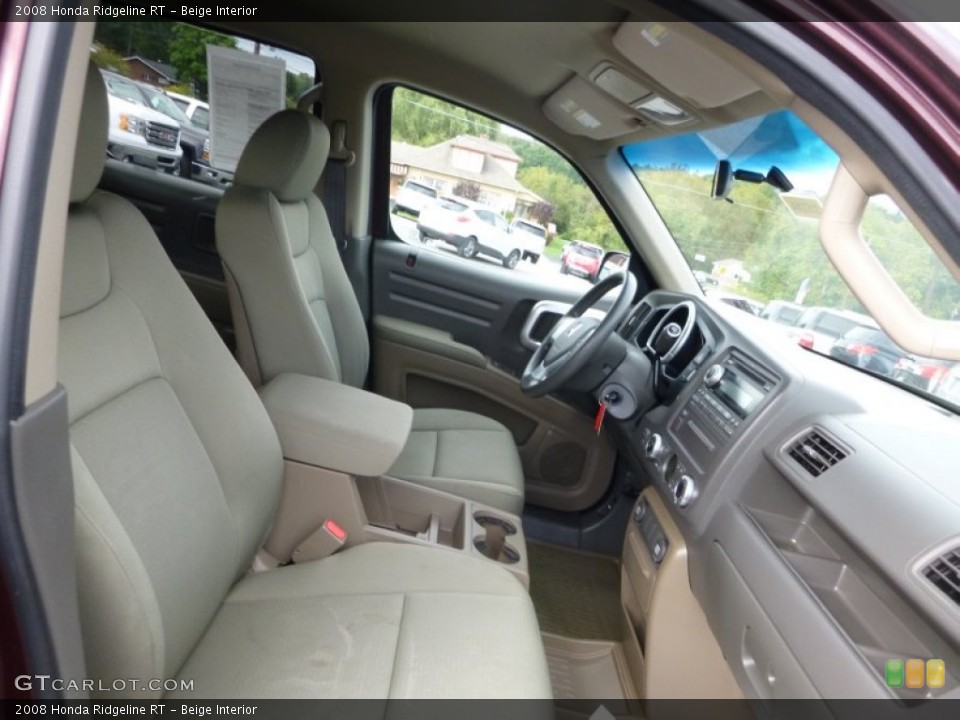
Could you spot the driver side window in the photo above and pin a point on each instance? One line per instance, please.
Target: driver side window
(489, 177)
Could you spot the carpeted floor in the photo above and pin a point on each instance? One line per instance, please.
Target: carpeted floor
(576, 595)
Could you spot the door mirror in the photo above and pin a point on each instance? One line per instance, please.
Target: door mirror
(613, 262)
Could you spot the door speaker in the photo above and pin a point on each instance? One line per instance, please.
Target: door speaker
(562, 464)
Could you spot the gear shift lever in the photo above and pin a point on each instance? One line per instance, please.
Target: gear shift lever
(495, 538)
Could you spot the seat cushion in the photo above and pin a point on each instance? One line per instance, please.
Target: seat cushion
(465, 454)
(379, 620)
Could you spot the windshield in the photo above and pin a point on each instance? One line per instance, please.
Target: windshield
(125, 91)
(532, 229)
(422, 189)
(761, 240)
(588, 250)
(161, 103)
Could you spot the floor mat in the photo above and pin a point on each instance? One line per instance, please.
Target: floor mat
(587, 669)
(576, 595)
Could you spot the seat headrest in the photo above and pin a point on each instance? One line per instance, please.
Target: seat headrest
(285, 155)
(91, 137)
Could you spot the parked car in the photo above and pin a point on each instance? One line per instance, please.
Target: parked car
(193, 140)
(413, 196)
(705, 280)
(197, 110)
(868, 348)
(137, 133)
(923, 373)
(738, 301)
(581, 259)
(471, 228)
(819, 328)
(949, 386)
(783, 312)
(532, 236)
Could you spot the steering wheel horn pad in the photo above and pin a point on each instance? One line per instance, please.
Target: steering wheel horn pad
(575, 339)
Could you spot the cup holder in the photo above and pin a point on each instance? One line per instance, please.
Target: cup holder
(508, 555)
(485, 519)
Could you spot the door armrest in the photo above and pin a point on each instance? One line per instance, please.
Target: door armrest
(421, 337)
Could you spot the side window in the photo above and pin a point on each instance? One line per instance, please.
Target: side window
(201, 117)
(910, 260)
(507, 176)
(160, 93)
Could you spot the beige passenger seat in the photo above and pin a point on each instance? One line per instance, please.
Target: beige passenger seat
(296, 312)
(177, 473)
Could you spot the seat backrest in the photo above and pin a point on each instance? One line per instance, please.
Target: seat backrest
(291, 299)
(177, 468)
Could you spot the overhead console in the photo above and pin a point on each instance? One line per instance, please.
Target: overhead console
(655, 81)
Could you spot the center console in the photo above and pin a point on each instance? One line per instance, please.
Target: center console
(338, 444)
(729, 395)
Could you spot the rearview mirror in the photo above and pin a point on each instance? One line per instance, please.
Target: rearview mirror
(722, 180)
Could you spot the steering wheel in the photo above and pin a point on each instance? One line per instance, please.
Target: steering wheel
(575, 338)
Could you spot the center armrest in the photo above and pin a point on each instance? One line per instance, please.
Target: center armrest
(336, 426)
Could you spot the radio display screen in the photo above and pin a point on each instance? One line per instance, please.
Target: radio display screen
(738, 394)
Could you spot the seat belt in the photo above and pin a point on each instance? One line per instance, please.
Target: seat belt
(335, 182)
(334, 199)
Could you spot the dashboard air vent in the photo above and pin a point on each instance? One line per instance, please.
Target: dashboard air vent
(944, 572)
(816, 453)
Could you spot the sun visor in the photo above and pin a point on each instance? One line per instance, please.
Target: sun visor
(663, 52)
(580, 108)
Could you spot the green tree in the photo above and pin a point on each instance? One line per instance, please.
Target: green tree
(425, 120)
(297, 84)
(107, 59)
(149, 40)
(534, 153)
(188, 54)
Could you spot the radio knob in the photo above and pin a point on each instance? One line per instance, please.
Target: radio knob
(654, 446)
(713, 375)
(685, 491)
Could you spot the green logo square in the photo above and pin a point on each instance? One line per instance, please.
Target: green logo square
(894, 673)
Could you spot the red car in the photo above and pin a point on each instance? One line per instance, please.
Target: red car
(581, 259)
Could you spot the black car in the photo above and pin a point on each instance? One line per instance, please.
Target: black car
(868, 348)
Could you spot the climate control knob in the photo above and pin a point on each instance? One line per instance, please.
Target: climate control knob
(654, 446)
(713, 376)
(685, 491)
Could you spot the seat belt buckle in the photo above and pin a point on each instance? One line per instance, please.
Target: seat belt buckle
(321, 543)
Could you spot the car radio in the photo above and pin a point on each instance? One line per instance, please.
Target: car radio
(731, 390)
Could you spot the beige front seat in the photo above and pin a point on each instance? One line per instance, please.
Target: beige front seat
(295, 310)
(177, 471)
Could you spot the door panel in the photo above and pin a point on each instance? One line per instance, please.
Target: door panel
(479, 303)
(484, 307)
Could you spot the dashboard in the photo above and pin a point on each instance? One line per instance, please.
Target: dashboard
(820, 506)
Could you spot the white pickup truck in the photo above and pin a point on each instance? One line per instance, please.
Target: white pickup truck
(139, 134)
(531, 236)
